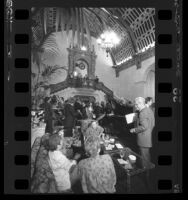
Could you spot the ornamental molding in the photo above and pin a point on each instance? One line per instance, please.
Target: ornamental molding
(136, 60)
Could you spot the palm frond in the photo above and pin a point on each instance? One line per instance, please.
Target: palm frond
(78, 26)
(45, 12)
(57, 19)
(81, 26)
(86, 23)
(50, 45)
(69, 21)
(62, 21)
(50, 70)
(73, 24)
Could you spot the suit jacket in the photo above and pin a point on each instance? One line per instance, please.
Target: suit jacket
(70, 115)
(48, 112)
(146, 122)
(97, 111)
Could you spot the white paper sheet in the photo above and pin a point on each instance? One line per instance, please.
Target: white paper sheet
(119, 146)
(121, 161)
(130, 118)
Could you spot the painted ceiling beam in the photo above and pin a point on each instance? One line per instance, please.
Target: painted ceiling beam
(124, 24)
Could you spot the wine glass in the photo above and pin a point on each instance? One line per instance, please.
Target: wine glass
(122, 154)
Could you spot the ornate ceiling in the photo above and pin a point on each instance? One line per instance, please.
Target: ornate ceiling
(134, 26)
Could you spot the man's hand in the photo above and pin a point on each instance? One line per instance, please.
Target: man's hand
(132, 130)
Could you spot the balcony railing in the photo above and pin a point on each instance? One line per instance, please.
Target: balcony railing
(81, 83)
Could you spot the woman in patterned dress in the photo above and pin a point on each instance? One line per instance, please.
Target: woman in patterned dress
(96, 173)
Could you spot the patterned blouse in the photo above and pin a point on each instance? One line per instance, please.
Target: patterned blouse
(91, 131)
(97, 174)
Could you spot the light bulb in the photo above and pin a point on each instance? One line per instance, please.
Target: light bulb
(99, 41)
(83, 48)
(75, 73)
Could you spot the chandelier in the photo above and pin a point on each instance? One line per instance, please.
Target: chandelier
(108, 40)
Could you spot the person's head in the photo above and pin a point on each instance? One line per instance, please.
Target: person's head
(102, 103)
(149, 101)
(93, 124)
(71, 101)
(53, 100)
(61, 132)
(92, 145)
(55, 142)
(139, 103)
(46, 99)
(87, 104)
(122, 100)
(97, 103)
(62, 99)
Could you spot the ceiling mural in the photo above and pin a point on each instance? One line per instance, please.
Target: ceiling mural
(135, 28)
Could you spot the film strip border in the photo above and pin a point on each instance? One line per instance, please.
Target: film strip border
(168, 98)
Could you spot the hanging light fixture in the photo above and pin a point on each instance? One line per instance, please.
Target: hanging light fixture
(83, 48)
(107, 40)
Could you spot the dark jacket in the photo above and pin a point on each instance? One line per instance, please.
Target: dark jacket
(70, 115)
(48, 117)
(97, 111)
(146, 122)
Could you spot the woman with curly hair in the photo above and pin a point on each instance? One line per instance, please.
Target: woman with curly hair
(96, 173)
(94, 129)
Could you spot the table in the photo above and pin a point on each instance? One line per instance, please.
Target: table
(114, 149)
(137, 167)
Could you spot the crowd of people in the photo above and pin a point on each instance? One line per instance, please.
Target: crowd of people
(95, 172)
(69, 113)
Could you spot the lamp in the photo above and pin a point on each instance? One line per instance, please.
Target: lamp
(83, 48)
(108, 40)
(75, 73)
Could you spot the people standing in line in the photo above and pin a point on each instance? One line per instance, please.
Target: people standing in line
(145, 125)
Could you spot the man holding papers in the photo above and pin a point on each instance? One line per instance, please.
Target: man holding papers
(144, 129)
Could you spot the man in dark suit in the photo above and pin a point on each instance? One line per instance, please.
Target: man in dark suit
(145, 125)
(97, 110)
(70, 116)
(48, 115)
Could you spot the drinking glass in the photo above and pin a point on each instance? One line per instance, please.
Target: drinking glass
(122, 154)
